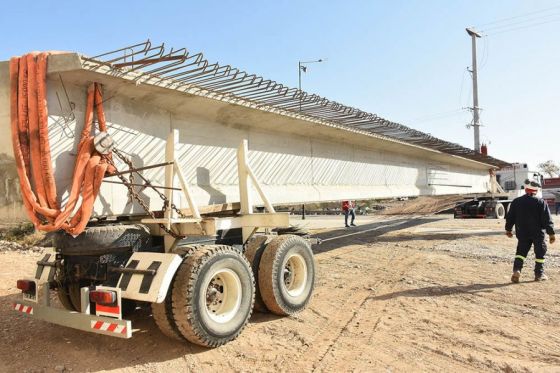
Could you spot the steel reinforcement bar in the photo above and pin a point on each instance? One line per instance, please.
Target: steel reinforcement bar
(187, 69)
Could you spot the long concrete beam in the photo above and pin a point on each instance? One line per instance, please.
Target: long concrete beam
(296, 158)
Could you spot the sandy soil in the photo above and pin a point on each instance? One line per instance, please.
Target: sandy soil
(421, 294)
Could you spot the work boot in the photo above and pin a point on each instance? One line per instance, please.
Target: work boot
(540, 277)
(515, 276)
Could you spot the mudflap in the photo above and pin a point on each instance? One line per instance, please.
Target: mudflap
(147, 276)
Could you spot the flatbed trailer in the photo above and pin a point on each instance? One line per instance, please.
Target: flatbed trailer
(483, 206)
(182, 235)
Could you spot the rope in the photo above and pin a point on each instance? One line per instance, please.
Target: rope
(30, 139)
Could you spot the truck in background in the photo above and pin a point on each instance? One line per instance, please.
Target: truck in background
(494, 205)
(550, 187)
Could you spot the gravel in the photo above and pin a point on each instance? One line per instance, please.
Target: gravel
(15, 246)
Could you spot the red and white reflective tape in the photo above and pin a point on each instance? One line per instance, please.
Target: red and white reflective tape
(108, 327)
(23, 308)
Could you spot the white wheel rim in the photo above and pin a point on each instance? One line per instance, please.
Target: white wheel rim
(295, 275)
(223, 295)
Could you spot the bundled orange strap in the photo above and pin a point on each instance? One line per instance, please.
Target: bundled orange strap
(30, 139)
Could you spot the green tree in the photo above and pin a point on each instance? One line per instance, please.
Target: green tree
(549, 168)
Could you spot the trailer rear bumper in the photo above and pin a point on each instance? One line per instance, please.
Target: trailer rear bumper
(81, 321)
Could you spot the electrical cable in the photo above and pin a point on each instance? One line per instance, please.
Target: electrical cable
(484, 57)
(532, 19)
(520, 16)
(524, 27)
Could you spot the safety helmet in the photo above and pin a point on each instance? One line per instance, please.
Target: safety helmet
(532, 186)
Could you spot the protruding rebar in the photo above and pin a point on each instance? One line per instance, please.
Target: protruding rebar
(193, 70)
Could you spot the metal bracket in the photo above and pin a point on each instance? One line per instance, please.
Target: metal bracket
(172, 170)
(248, 221)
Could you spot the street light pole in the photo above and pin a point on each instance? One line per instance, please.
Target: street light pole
(302, 67)
(476, 116)
(299, 71)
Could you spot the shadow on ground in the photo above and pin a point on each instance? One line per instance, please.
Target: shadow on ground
(436, 236)
(366, 233)
(55, 345)
(441, 291)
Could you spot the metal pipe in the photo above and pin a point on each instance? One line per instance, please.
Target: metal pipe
(140, 185)
(140, 169)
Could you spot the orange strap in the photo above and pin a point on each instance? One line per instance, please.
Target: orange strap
(30, 139)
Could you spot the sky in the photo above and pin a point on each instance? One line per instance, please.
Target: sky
(403, 60)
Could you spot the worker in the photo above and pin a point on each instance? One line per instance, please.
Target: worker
(348, 209)
(531, 217)
(556, 201)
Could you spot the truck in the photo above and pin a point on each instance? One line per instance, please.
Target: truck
(509, 183)
(157, 174)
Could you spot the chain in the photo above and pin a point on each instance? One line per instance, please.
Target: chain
(131, 175)
(132, 193)
(147, 182)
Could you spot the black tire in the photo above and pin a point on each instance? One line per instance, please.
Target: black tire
(500, 211)
(194, 320)
(163, 312)
(253, 255)
(104, 240)
(273, 284)
(74, 295)
(64, 298)
(163, 317)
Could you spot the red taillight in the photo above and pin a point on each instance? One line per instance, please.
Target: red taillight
(103, 297)
(26, 286)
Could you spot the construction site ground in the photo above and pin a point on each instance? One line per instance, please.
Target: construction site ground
(396, 293)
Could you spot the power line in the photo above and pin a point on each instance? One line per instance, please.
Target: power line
(484, 58)
(532, 19)
(523, 27)
(520, 16)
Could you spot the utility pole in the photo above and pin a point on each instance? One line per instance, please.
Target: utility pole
(476, 115)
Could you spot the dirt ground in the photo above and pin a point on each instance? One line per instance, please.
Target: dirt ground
(394, 294)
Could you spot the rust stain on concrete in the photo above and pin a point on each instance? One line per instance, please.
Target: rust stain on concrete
(11, 205)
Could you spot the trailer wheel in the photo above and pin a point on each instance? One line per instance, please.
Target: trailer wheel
(287, 275)
(500, 211)
(163, 317)
(253, 254)
(64, 298)
(74, 296)
(213, 295)
(104, 239)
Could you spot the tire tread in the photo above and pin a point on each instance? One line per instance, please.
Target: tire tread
(184, 292)
(268, 272)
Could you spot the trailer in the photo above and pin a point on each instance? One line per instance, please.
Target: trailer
(184, 154)
(483, 206)
(508, 184)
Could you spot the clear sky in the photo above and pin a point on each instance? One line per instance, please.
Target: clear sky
(403, 60)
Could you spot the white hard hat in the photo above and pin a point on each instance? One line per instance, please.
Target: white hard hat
(532, 185)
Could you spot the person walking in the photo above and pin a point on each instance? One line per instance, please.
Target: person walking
(556, 201)
(531, 217)
(348, 209)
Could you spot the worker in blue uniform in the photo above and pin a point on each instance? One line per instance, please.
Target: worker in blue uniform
(531, 217)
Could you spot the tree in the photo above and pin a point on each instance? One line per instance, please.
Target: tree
(550, 168)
